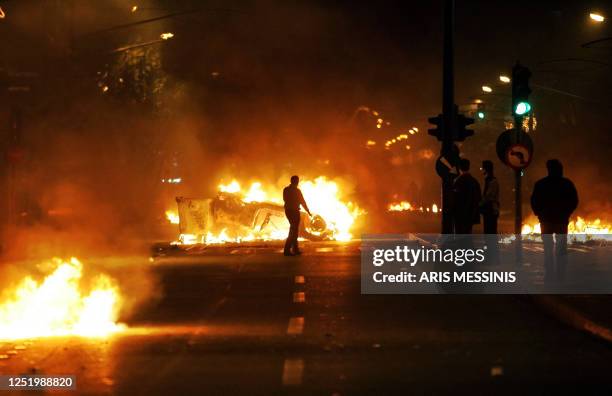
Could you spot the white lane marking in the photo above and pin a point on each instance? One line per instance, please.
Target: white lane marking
(324, 250)
(293, 371)
(299, 297)
(299, 279)
(296, 325)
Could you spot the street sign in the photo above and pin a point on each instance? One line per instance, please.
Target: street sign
(520, 144)
(446, 165)
(518, 156)
(444, 168)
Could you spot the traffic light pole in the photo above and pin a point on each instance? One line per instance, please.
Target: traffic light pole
(520, 108)
(518, 217)
(518, 198)
(448, 109)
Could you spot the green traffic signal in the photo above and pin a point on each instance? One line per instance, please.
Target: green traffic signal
(522, 108)
(480, 115)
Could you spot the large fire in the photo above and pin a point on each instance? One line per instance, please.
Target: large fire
(577, 226)
(322, 195)
(59, 306)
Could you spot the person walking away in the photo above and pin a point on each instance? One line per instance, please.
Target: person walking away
(489, 208)
(293, 198)
(466, 199)
(553, 201)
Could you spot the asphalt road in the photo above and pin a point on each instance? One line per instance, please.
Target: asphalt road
(250, 321)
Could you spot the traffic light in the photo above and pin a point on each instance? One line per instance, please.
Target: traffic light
(462, 132)
(438, 131)
(520, 90)
(480, 111)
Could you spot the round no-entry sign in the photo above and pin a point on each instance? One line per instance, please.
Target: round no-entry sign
(518, 156)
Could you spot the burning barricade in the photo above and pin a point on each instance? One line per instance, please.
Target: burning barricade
(238, 216)
(579, 229)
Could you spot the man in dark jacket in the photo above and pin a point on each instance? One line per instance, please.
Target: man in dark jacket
(466, 199)
(293, 199)
(489, 207)
(553, 200)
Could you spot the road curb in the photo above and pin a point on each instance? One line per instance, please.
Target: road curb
(573, 317)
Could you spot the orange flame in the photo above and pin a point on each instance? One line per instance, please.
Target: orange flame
(405, 206)
(58, 307)
(172, 216)
(577, 226)
(322, 195)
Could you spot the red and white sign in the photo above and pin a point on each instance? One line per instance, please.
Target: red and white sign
(518, 156)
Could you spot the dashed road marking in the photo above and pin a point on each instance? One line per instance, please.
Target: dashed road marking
(293, 371)
(299, 297)
(296, 325)
(299, 279)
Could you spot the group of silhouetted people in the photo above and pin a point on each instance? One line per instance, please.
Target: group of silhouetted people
(469, 202)
(553, 200)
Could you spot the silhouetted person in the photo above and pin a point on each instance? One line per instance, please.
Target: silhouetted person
(466, 199)
(553, 200)
(489, 208)
(293, 199)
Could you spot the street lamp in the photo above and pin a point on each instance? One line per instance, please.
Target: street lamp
(597, 17)
(504, 79)
(487, 89)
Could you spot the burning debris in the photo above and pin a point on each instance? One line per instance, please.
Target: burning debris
(60, 306)
(257, 213)
(405, 206)
(577, 226)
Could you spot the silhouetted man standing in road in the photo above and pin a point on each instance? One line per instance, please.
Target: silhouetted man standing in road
(553, 200)
(466, 199)
(293, 199)
(489, 207)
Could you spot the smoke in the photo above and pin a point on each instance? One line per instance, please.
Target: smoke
(261, 93)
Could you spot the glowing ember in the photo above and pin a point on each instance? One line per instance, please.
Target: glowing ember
(172, 216)
(261, 206)
(405, 206)
(578, 226)
(57, 306)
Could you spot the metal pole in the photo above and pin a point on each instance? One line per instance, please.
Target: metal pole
(518, 201)
(448, 109)
(518, 218)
